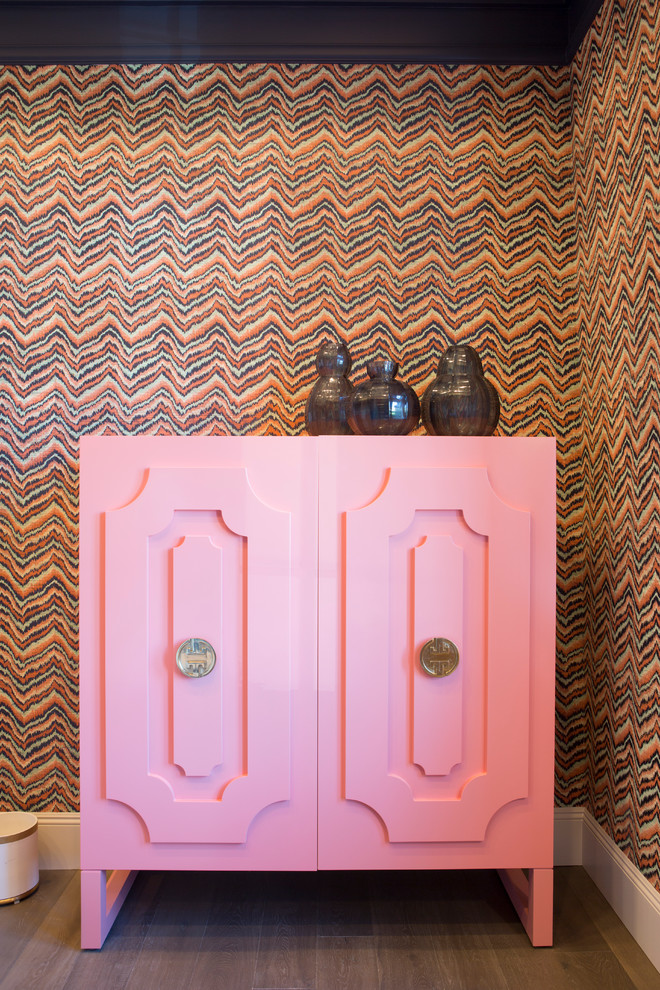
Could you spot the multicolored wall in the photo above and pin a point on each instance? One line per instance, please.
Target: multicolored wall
(177, 241)
(611, 664)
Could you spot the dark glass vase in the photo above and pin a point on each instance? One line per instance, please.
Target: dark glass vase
(494, 416)
(460, 402)
(326, 409)
(383, 405)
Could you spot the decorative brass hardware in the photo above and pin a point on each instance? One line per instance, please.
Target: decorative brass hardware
(195, 658)
(439, 657)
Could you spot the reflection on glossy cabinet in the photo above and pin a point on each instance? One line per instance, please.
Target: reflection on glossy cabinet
(298, 582)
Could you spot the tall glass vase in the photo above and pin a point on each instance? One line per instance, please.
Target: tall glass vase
(327, 407)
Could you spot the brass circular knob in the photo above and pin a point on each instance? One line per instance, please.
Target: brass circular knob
(439, 657)
(195, 658)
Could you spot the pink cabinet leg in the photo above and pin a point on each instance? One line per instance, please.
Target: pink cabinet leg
(532, 897)
(101, 898)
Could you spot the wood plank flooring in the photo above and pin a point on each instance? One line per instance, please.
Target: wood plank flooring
(319, 931)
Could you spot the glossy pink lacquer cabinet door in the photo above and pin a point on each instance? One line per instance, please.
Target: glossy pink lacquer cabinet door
(436, 652)
(199, 746)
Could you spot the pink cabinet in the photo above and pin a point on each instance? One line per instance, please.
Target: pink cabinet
(308, 653)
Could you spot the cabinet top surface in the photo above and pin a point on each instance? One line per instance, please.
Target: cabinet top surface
(380, 441)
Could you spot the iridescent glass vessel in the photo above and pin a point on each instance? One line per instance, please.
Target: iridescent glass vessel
(383, 404)
(326, 409)
(460, 402)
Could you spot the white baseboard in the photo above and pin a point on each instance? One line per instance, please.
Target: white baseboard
(631, 895)
(59, 840)
(569, 826)
(579, 841)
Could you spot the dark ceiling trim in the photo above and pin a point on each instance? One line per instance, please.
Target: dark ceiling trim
(580, 18)
(537, 32)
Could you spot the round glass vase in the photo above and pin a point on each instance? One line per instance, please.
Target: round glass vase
(383, 405)
(460, 402)
(327, 406)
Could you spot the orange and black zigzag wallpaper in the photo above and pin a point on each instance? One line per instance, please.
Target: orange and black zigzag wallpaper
(177, 241)
(611, 663)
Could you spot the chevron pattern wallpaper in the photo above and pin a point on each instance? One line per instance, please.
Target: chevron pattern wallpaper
(611, 667)
(177, 241)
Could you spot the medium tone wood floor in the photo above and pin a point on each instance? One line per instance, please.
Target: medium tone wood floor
(319, 931)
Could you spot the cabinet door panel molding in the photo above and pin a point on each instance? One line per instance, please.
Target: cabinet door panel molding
(379, 659)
